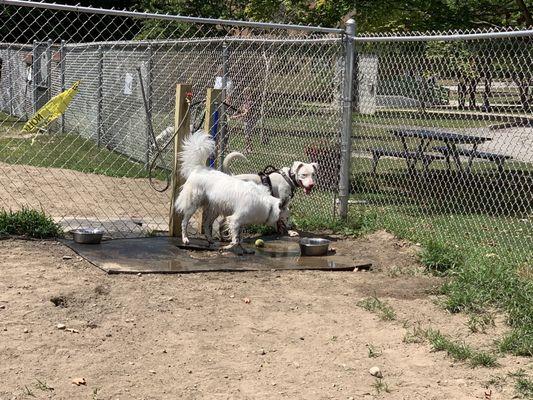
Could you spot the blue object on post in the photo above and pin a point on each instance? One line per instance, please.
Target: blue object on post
(214, 131)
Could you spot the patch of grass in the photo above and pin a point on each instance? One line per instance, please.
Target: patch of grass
(30, 223)
(262, 230)
(417, 335)
(439, 257)
(459, 351)
(496, 262)
(43, 386)
(373, 352)
(71, 151)
(524, 387)
(380, 386)
(379, 307)
(480, 322)
(361, 224)
(518, 342)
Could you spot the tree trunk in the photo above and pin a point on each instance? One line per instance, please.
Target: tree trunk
(472, 86)
(487, 80)
(461, 93)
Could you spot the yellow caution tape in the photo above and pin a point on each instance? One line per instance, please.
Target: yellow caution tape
(52, 109)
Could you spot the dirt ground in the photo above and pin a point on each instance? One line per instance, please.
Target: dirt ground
(266, 335)
(75, 198)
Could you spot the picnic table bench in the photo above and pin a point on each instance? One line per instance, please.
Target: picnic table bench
(450, 150)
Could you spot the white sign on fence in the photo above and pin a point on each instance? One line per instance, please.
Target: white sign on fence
(128, 84)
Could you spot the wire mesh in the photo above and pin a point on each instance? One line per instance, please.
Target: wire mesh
(443, 137)
(90, 167)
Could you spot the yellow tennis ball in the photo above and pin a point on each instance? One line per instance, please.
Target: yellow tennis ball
(259, 243)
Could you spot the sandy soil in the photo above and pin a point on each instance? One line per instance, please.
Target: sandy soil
(300, 336)
(76, 199)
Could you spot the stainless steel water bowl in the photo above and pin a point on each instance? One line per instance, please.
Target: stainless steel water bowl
(314, 246)
(88, 236)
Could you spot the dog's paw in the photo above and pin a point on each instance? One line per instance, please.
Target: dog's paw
(293, 233)
(185, 240)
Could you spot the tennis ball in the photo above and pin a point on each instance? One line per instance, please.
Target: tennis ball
(259, 243)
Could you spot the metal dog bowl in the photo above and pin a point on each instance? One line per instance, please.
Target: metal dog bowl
(314, 246)
(88, 236)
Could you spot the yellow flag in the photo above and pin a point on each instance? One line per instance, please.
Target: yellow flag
(51, 110)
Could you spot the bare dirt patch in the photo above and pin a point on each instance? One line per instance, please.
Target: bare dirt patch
(300, 335)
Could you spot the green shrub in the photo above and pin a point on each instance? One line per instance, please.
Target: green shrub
(30, 223)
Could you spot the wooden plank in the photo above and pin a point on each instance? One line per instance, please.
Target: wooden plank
(182, 123)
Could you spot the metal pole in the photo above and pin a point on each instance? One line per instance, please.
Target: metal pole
(148, 95)
(222, 115)
(9, 69)
(34, 75)
(346, 136)
(99, 95)
(48, 94)
(62, 59)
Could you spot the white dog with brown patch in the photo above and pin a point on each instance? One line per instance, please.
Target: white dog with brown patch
(240, 202)
(282, 183)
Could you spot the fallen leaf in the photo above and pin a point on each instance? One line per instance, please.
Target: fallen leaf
(246, 300)
(79, 381)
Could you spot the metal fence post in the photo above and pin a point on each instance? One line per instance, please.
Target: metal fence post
(34, 77)
(148, 86)
(223, 121)
(62, 68)
(346, 135)
(99, 95)
(9, 63)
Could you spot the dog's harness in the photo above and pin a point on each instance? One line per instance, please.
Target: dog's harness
(265, 177)
(290, 179)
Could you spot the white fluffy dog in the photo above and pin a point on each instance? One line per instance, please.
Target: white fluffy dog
(283, 183)
(242, 203)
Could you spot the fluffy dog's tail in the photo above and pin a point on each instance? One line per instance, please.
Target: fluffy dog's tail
(229, 159)
(195, 151)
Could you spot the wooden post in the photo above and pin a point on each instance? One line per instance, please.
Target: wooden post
(182, 123)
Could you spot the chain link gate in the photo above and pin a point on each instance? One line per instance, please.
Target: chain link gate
(90, 167)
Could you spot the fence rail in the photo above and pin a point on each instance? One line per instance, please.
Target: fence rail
(430, 132)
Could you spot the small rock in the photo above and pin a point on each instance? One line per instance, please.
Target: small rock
(152, 371)
(108, 335)
(2, 307)
(164, 352)
(262, 352)
(5, 329)
(26, 330)
(171, 299)
(61, 326)
(375, 371)
(67, 258)
(139, 274)
(302, 338)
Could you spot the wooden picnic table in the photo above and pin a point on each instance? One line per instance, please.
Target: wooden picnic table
(450, 139)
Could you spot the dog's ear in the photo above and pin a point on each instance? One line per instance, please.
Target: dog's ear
(315, 166)
(296, 166)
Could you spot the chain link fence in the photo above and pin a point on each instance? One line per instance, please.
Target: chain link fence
(90, 167)
(443, 137)
(441, 124)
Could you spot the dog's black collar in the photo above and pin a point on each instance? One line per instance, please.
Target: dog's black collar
(291, 180)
